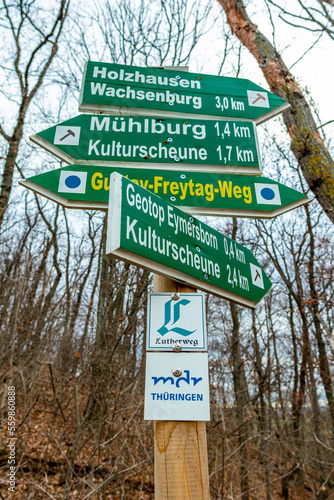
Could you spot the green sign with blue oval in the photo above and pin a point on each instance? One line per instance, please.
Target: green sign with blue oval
(87, 186)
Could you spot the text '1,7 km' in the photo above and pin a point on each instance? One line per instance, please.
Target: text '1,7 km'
(145, 230)
(140, 91)
(227, 146)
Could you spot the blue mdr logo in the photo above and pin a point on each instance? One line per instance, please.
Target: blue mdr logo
(187, 379)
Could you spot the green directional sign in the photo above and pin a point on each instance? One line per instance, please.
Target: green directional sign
(87, 186)
(227, 146)
(145, 230)
(135, 90)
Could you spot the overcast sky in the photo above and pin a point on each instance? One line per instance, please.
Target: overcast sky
(311, 65)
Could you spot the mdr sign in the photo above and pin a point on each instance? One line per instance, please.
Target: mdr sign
(177, 386)
(176, 320)
(138, 91)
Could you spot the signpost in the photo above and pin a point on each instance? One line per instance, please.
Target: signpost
(138, 91)
(170, 143)
(145, 230)
(87, 187)
(196, 153)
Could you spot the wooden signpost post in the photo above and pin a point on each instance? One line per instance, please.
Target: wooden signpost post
(180, 140)
(169, 143)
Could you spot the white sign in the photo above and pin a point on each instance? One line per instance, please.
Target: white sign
(177, 386)
(176, 323)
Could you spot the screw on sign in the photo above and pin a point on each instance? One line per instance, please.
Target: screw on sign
(177, 372)
(177, 348)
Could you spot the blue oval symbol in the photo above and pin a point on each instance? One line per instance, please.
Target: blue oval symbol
(267, 193)
(72, 181)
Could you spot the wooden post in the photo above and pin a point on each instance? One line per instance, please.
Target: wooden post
(180, 451)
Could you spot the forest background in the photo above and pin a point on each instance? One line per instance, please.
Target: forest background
(72, 321)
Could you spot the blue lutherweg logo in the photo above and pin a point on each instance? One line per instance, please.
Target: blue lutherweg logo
(173, 308)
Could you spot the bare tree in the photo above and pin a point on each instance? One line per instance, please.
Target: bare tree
(307, 144)
(314, 16)
(295, 260)
(35, 43)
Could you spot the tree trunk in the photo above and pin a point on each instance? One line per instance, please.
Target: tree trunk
(306, 144)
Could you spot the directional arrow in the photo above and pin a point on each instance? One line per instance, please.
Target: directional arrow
(139, 91)
(145, 230)
(87, 186)
(210, 145)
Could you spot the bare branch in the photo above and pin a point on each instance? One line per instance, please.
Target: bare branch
(116, 474)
